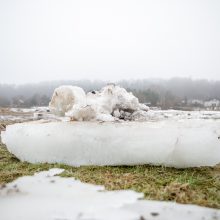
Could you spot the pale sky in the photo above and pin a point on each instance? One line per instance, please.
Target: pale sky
(108, 40)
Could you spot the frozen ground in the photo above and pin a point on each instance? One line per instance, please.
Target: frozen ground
(178, 115)
(14, 115)
(21, 114)
(27, 114)
(48, 197)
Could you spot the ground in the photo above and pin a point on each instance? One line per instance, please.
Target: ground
(199, 186)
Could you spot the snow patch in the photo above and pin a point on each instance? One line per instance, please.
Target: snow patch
(48, 197)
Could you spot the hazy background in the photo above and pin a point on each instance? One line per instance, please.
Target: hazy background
(176, 93)
(108, 40)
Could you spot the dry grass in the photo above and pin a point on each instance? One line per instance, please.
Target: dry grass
(199, 186)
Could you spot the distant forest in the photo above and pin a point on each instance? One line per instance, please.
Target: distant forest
(170, 93)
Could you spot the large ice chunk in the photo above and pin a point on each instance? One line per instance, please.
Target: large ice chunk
(65, 97)
(176, 143)
(95, 106)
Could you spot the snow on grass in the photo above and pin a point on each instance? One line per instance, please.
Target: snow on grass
(45, 196)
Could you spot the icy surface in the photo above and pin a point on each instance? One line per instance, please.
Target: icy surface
(178, 115)
(48, 197)
(169, 142)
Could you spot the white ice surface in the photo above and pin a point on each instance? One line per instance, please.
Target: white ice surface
(48, 197)
(177, 143)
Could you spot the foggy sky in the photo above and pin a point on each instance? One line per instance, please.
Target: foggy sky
(108, 40)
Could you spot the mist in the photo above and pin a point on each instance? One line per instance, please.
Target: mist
(101, 40)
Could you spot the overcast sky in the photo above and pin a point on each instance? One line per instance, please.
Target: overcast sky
(115, 39)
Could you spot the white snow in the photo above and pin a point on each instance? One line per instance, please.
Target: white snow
(169, 142)
(48, 197)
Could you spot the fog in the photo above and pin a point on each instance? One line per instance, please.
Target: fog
(108, 40)
(172, 93)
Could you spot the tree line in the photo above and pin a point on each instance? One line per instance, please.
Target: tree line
(175, 92)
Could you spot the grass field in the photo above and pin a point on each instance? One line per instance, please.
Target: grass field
(199, 186)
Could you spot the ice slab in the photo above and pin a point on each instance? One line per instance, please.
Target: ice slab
(48, 197)
(175, 143)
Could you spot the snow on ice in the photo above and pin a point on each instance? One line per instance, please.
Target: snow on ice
(48, 197)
